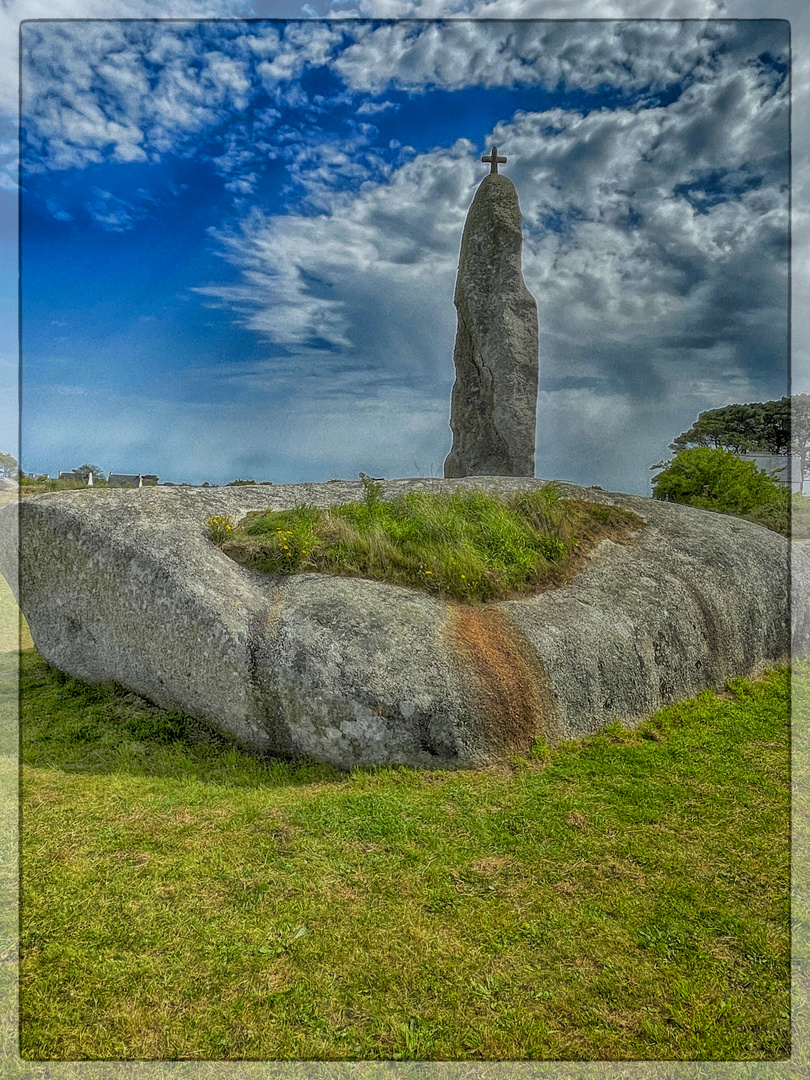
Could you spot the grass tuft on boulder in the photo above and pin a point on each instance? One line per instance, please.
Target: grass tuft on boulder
(467, 546)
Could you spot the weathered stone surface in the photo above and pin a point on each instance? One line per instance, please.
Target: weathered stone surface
(126, 585)
(8, 485)
(493, 412)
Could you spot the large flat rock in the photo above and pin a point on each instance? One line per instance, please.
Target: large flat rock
(127, 586)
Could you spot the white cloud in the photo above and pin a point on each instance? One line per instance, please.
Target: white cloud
(355, 279)
(108, 211)
(94, 90)
(297, 46)
(374, 108)
(12, 12)
(584, 55)
(244, 185)
(124, 91)
(537, 9)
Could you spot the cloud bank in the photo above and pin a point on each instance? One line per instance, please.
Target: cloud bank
(655, 206)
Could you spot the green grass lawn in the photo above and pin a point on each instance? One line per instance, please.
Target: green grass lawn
(14, 632)
(625, 896)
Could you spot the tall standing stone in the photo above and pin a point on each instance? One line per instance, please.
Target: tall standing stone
(493, 412)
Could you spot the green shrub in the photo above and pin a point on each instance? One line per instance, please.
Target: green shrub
(716, 479)
(29, 486)
(775, 516)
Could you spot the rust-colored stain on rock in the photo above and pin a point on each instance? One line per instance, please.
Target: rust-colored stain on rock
(512, 693)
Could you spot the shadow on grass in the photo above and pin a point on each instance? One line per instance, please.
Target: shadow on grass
(75, 727)
(70, 725)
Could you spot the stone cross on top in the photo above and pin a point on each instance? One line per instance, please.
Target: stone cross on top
(494, 160)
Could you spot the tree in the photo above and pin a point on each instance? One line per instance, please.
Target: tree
(716, 479)
(9, 466)
(94, 469)
(773, 421)
(760, 426)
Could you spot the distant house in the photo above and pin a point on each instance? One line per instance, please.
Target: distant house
(85, 475)
(784, 468)
(134, 480)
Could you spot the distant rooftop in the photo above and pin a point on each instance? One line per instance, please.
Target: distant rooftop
(133, 479)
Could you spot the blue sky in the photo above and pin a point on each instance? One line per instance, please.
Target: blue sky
(239, 239)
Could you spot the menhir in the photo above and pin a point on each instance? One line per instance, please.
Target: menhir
(494, 405)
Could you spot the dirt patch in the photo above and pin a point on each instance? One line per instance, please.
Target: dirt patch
(491, 865)
(513, 692)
